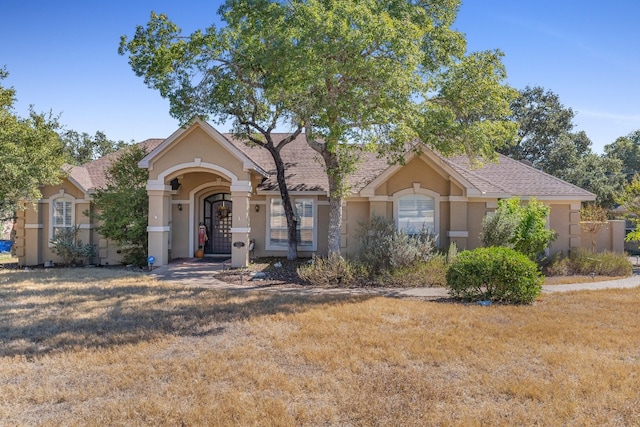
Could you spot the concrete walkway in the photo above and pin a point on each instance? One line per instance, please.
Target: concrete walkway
(202, 273)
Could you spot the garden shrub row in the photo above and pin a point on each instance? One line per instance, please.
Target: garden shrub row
(504, 273)
(585, 262)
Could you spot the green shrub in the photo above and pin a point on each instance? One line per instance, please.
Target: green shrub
(383, 248)
(67, 246)
(497, 274)
(328, 272)
(585, 262)
(517, 226)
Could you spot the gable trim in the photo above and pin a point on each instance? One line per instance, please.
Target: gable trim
(450, 173)
(247, 163)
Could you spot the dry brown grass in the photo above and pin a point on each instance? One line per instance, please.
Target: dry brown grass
(566, 280)
(119, 349)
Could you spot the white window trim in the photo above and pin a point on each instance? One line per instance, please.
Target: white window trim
(416, 189)
(314, 247)
(52, 203)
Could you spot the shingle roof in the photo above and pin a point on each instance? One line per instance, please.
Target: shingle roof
(93, 175)
(305, 172)
(513, 177)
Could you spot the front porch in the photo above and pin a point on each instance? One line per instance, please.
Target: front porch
(187, 192)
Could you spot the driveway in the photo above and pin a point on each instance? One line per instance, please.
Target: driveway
(202, 273)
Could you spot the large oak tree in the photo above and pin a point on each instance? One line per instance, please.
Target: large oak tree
(627, 150)
(547, 141)
(387, 74)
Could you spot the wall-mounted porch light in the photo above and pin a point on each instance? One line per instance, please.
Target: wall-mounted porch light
(175, 184)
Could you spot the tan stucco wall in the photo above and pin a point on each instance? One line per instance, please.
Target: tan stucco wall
(611, 238)
(34, 232)
(560, 221)
(195, 143)
(179, 231)
(420, 171)
(476, 211)
(354, 214)
(258, 223)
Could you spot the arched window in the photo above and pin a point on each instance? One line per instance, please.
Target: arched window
(416, 214)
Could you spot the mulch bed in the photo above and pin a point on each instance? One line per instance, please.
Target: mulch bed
(277, 272)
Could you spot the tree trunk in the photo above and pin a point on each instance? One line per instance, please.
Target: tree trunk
(335, 224)
(292, 222)
(336, 190)
(335, 202)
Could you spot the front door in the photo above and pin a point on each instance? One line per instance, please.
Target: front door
(217, 218)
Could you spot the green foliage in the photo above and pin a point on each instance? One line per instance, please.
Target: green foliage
(496, 274)
(627, 150)
(546, 140)
(629, 199)
(329, 272)
(83, 148)
(67, 246)
(499, 229)
(31, 153)
(383, 248)
(584, 262)
(571, 159)
(122, 207)
(542, 119)
(521, 227)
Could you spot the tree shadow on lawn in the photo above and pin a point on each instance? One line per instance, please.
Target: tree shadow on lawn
(57, 317)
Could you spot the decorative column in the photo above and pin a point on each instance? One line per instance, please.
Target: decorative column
(158, 228)
(240, 228)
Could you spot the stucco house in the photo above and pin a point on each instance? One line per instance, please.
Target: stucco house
(200, 176)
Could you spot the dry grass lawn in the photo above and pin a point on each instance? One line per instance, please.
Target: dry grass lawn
(102, 347)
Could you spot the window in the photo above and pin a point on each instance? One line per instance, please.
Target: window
(416, 213)
(305, 214)
(62, 215)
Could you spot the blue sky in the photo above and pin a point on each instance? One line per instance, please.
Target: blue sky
(62, 56)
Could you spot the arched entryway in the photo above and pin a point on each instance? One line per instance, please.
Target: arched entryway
(218, 220)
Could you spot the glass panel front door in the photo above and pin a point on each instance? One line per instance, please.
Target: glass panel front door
(217, 219)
